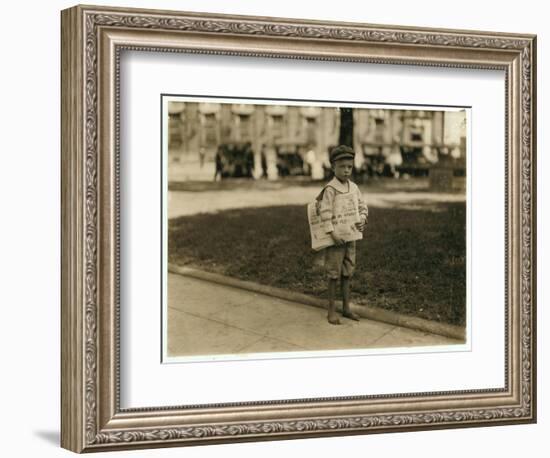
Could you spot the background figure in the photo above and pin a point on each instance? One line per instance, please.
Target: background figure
(394, 160)
(249, 160)
(202, 154)
(310, 160)
(263, 159)
(219, 164)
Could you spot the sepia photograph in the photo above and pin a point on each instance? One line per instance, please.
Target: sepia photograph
(309, 228)
(277, 228)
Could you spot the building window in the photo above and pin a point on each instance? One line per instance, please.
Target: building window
(277, 127)
(311, 131)
(175, 138)
(210, 130)
(379, 130)
(245, 128)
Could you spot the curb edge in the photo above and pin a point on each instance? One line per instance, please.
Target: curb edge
(365, 311)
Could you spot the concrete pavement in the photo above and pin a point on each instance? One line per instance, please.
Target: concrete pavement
(185, 203)
(206, 318)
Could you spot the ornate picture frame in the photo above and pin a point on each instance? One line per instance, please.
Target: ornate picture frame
(93, 39)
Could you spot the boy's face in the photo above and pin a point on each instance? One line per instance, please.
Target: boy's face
(342, 169)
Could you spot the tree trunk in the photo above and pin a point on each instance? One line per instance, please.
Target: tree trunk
(346, 127)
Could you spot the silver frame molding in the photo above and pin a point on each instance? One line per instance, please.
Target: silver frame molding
(92, 40)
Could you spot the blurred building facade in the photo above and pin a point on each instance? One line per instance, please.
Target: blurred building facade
(387, 133)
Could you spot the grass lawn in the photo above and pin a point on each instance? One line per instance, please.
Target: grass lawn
(411, 261)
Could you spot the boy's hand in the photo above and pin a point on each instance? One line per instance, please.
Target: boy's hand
(361, 225)
(337, 240)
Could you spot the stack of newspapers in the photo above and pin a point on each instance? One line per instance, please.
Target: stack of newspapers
(344, 218)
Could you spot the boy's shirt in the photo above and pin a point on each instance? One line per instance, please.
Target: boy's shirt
(326, 207)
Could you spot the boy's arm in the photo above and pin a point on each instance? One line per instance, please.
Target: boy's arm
(363, 209)
(326, 209)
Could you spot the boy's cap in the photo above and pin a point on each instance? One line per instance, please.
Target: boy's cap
(341, 152)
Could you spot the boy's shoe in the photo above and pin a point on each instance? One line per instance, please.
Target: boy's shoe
(333, 318)
(352, 316)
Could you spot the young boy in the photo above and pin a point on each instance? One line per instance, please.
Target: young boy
(340, 257)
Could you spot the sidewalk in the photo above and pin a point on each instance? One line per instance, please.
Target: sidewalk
(206, 318)
(185, 203)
